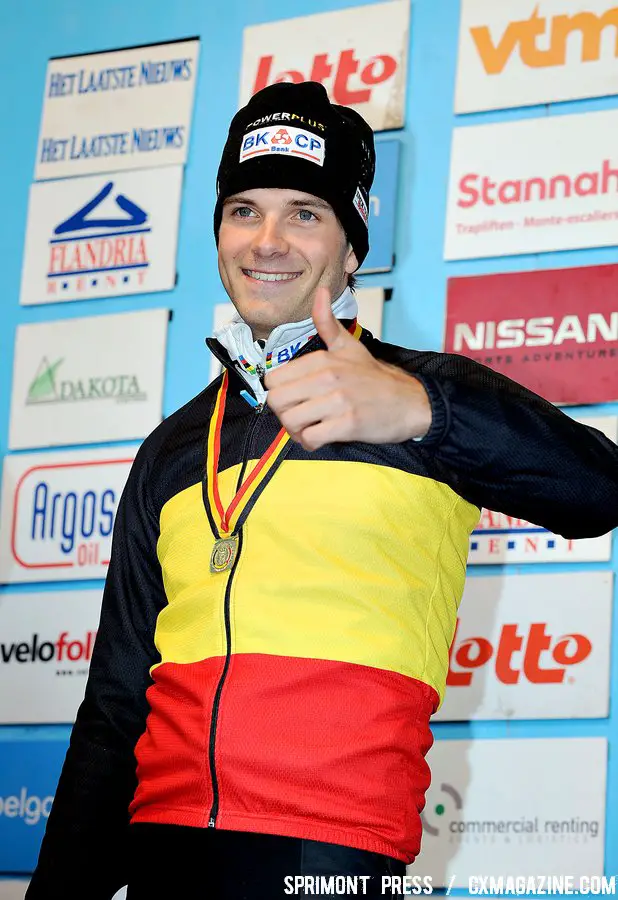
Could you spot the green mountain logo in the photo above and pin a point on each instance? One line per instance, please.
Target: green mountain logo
(43, 387)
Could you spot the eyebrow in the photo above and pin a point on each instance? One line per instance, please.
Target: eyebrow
(295, 204)
(313, 201)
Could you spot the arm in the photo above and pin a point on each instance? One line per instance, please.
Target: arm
(505, 448)
(84, 851)
(495, 443)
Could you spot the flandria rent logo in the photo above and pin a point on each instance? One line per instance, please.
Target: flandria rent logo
(88, 250)
(47, 387)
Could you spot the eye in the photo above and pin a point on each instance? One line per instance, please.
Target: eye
(243, 212)
(305, 215)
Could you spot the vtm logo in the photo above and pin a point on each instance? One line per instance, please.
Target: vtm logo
(372, 72)
(554, 36)
(475, 652)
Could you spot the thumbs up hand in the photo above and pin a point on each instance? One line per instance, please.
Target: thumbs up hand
(343, 393)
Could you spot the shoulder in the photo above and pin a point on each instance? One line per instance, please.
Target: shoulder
(178, 428)
(426, 361)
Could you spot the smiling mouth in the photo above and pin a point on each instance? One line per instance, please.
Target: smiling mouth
(271, 276)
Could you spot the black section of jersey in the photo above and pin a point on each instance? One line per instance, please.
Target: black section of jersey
(492, 441)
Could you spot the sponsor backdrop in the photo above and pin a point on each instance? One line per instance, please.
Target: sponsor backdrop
(513, 807)
(77, 381)
(555, 331)
(531, 648)
(102, 236)
(46, 643)
(359, 55)
(124, 110)
(29, 771)
(513, 213)
(57, 513)
(533, 185)
(524, 52)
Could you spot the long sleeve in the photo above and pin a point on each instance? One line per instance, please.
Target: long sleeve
(505, 448)
(84, 851)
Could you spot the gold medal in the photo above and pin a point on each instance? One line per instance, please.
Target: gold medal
(223, 554)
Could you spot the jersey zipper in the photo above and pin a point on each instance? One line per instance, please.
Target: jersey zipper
(214, 810)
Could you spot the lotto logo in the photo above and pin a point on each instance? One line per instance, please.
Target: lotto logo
(475, 652)
(293, 141)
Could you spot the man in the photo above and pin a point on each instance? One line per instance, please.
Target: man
(288, 558)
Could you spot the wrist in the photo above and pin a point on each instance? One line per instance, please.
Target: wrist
(415, 406)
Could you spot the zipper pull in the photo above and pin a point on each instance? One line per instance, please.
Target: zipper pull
(249, 398)
(260, 407)
(211, 823)
(260, 370)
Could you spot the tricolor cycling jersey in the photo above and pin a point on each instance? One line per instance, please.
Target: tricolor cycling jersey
(290, 692)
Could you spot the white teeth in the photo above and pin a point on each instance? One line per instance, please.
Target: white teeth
(272, 276)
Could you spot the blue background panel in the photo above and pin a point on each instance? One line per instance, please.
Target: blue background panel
(29, 771)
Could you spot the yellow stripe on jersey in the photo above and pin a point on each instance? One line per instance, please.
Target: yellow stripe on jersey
(342, 560)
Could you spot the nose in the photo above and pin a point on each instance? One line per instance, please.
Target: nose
(269, 240)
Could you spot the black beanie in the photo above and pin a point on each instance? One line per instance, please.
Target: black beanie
(291, 136)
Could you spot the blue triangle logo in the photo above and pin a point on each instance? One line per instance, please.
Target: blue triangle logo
(81, 220)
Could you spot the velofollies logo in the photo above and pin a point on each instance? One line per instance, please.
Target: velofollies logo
(47, 387)
(105, 240)
(63, 649)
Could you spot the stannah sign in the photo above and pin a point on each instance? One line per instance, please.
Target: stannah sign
(533, 186)
(525, 52)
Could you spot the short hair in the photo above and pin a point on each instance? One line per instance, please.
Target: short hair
(352, 282)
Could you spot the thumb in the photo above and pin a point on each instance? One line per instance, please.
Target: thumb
(328, 327)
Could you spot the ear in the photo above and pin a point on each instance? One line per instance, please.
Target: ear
(351, 262)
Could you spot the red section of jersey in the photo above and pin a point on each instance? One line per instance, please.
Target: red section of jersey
(172, 754)
(308, 748)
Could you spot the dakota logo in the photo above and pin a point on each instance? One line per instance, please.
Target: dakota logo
(63, 514)
(475, 188)
(86, 249)
(45, 388)
(475, 652)
(283, 139)
(544, 331)
(373, 71)
(553, 35)
(60, 650)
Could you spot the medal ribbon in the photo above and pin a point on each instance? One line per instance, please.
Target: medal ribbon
(228, 518)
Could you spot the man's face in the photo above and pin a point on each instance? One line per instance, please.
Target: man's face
(275, 248)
